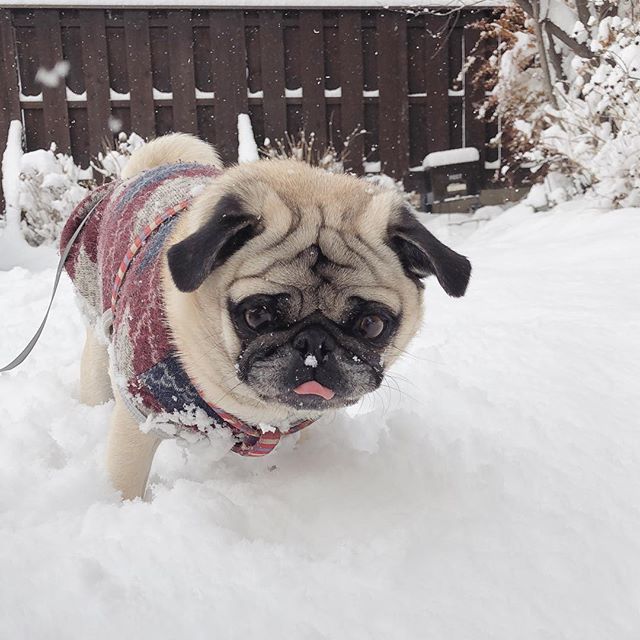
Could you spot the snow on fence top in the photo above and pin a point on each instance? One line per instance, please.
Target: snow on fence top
(255, 4)
(452, 156)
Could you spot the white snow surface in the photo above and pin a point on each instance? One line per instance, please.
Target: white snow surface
(247, 147)
(451, 156)
(490, 490)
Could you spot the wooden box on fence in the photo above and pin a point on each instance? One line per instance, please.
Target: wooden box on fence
(452, 176)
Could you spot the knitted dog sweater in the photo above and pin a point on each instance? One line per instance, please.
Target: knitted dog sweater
(116, 266)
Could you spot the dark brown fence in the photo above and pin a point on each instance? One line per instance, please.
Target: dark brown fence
(394, 75)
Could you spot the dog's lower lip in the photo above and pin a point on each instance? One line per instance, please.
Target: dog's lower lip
(313, 387)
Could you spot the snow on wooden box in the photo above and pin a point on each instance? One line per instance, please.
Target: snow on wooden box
(451, 156)
(452, 174)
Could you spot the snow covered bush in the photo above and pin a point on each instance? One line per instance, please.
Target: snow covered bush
(595, 130)
(51, 184)
(110, 163)
(511, 79)
(305, 148)
(564, 82)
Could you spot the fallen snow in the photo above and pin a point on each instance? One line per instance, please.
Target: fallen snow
(311, 361)
(247, 147)
(72, 96)
(37, 97)
(372, 167)
(451, 156)
(11, 160)
(489, 490)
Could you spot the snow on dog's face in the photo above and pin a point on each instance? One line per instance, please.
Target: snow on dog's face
(290, 290)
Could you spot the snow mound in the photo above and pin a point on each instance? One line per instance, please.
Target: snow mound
(490, 488)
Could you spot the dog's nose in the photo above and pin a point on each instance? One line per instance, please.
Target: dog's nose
(314, 341)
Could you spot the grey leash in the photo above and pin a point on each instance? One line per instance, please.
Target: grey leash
(22, 356)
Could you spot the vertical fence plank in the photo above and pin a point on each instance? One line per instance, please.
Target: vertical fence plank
(394, 102)
(78, 121)
(352, 82)
(456, 87)
(137, 39)
(272, 58)
(292, 56)
(436, 54)
(183, 82)
(10, 94)
(415, 55)
(49, 43)
(475, 128)
(96, 76)
(229, 69)
(27, 56)
(314, 114)
(161, 72)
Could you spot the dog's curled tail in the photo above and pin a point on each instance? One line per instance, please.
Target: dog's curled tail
(175, 147)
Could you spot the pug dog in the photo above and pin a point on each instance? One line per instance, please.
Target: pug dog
(257, 297)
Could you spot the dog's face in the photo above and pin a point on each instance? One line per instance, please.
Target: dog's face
(298, 288)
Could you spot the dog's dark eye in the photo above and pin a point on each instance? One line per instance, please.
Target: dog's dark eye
(257, 317)
(369, 327)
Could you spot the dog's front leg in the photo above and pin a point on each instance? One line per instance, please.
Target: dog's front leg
(129, 453)
(95, 385)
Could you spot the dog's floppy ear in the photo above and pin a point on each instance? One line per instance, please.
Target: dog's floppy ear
(195, 257)
(422, 254)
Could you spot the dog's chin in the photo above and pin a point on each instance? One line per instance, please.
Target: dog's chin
(312, 402)
(303, 402)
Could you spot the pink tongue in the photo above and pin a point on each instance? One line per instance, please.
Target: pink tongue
(313, 387)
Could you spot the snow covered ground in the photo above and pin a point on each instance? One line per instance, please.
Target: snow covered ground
(491, 491)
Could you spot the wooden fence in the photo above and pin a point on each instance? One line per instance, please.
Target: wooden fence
(395, 75)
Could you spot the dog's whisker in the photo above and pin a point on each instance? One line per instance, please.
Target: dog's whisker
(395, 377)
(413, 356)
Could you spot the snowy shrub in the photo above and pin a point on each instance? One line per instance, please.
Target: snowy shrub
(567, 94)
(110, 163)
(596, 128)
(511, 79)
(305, 148)
(51, 185)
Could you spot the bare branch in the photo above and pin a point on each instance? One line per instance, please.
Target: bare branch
(556, 58)
(582, 7)
(542, 52)
(579, 49)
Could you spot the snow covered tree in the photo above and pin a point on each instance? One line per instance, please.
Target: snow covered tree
(565, 83)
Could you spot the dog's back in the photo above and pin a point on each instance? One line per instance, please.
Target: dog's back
(171, 149)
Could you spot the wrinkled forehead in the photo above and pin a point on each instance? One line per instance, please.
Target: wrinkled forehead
(320, 270)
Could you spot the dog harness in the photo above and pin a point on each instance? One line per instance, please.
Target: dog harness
(115, 264)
